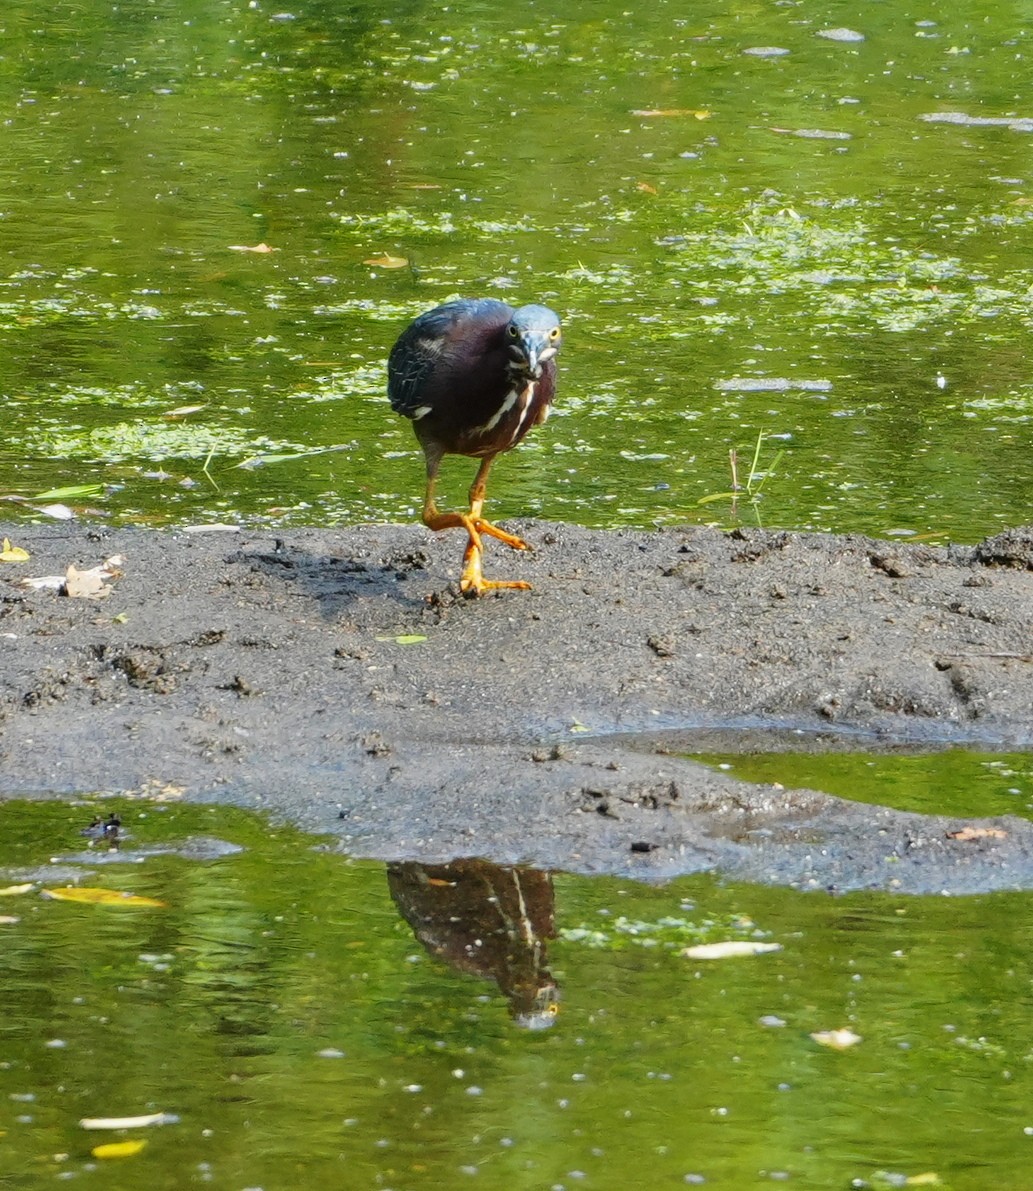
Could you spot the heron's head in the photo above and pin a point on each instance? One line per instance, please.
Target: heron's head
(533, 337)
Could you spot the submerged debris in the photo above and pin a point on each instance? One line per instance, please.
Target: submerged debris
(104, 830)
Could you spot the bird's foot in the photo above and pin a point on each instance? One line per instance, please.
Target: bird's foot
(501, 535)
(474, 587)
(473, 523)
(473, 583)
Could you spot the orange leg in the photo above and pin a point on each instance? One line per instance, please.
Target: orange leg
(472, 581)
(477, 492)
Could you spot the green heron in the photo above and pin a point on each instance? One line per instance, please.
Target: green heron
(474, 376)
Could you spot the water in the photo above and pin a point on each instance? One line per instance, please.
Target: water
(740, 243)
(281, 1010)
(951, 782)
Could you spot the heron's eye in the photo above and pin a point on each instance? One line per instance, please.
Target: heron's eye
(513, 332)
(554, 334)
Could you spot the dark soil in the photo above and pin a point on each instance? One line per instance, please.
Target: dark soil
(540, 726)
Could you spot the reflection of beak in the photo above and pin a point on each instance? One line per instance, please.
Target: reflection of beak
(541, 1014)
(535, 1021)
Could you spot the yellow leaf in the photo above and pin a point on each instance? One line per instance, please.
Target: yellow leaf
(118, 1149)
(405, 639)
(14, 890)
(385, 261)
(99, 897)
(8, 919)
(11, 553)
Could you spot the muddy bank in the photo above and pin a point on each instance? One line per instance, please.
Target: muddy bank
(336, 679)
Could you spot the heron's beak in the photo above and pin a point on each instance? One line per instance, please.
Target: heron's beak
(530, 349)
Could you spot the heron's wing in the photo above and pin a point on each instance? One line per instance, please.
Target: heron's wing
(411, 366)
(426, 350)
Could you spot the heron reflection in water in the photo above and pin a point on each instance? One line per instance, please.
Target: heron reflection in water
(487, 920)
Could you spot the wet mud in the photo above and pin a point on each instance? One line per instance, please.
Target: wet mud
(336, 679)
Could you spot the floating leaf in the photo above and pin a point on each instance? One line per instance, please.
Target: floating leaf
(181, 411)
(815, 134)
(405, 639)
(140, 1122)
(11, 553)
(840, 34)
(118, 1149)
(287, 456)
(884, 1180)
(697, 113)
(836, 1039)
(60, 512)
(645, 188)
(260, 248)
(8, 920)
(729, 949)
(966, 834)
(99, 897)
(387, 262)
(69, 493)
(15, 890)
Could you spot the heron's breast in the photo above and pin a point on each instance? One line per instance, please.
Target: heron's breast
(516, 412)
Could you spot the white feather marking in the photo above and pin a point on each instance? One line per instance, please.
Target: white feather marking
(500, 413)
(420, 411)
(525, 405)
